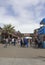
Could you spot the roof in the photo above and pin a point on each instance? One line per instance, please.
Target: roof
(43, 21)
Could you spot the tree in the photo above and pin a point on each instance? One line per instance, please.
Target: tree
(8, 29)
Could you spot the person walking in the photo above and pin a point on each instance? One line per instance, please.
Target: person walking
(26, 42)
(6, 42)
(21, 43)
(12, 41)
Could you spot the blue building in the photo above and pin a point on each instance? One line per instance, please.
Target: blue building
(41, 32)
(43, 21)
(42, 28)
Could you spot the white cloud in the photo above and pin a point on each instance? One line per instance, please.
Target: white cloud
(26, 20)
(9, 20)
(29, 28)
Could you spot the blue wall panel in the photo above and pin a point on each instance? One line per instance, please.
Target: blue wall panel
(41, 30)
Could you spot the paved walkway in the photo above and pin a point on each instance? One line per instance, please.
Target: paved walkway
(21, 61)
(17, 52)
(21, 56)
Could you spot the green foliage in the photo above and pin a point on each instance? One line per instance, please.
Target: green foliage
(9, 28)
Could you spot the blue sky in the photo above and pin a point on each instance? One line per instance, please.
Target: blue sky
(25, 15)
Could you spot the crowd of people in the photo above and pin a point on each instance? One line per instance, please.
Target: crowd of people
(38, 43)
(22, 42)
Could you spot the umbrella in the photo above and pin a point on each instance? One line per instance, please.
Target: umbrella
(28, 37)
